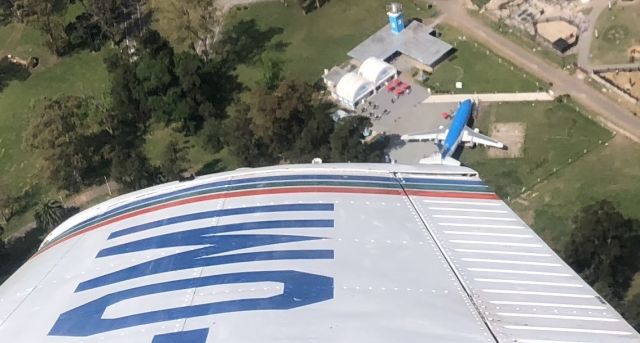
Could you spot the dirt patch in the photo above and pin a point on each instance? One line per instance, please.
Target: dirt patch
(512, 135)
(554, 30)
(627, 80)
(634, 53)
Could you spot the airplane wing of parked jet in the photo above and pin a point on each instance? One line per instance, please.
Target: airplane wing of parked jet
(436, 135)
(475, 137)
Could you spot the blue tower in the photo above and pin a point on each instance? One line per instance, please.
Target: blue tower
(396, 17)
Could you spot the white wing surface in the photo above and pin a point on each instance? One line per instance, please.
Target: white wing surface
(304, 253)
(471, 136)
(437, 135)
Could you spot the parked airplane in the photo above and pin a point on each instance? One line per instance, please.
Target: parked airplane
(447, 139)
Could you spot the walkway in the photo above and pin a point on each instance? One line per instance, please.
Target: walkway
(489, 97)
(586, 37)
(612, 114)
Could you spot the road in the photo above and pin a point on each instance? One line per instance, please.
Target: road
(613, 115)
(584, 43)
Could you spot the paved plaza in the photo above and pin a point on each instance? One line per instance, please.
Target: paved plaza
(407, 114)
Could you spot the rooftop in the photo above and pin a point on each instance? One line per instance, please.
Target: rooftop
(415, 41)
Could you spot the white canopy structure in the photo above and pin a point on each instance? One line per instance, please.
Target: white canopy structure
(352, 88)
(377, 71)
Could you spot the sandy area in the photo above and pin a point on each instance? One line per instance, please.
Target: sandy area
(554, 30)
(512, 135)
(627, 80)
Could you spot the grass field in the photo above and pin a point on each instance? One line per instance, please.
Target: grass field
(556, 133)
(81, 73)
(609, 172)
(479, 70)
(618, 31)
(322, 38)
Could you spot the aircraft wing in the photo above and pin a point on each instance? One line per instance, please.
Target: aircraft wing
(435, 135)
(326, 253)
(471, 136)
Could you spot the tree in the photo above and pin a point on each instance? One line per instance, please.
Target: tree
(602, 248)
(248, 149)
(347, 142)
(196, 22)
(84, 33)
(174, 159)
(131, 169)
(9, 205)
(61, 132)
(279, 117)
(49, 214)
(117, 18)
(45, 15)
(631, 311)
(6, 11)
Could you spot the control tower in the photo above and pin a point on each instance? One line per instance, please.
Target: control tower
(396, 17)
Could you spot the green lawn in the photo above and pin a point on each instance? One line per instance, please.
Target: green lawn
(479, 70)
(83, 73)
(322, 38)
(78, 74)
(556, 133)
(609, 172)
(618, 31)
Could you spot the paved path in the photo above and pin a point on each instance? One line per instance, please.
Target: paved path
(488, 97)
(584, 42)
(612, 114)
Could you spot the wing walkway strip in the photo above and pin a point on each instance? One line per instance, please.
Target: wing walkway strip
(518, 253)
(527, 303)
(509, 271)
(544, 328)
(496, 243)
(473, 217)
(554, 316)
(492, 234)
(463, 209)
(547, 294)
(511, 262)
(527, 282)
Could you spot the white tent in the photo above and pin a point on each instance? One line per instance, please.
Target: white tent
(352, 88)
(377, 71)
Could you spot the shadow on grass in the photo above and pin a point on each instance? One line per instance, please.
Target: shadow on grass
(211, 167)
(245, 42)
(10, 71)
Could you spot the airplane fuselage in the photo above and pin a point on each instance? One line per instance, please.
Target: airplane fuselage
(454, 135)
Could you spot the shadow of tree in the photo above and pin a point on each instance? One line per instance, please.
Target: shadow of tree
(394, 142)
(245, 41)
(18, 250)
(213, 166)
(10, 71)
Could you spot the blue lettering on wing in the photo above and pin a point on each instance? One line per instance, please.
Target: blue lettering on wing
(299, 288)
